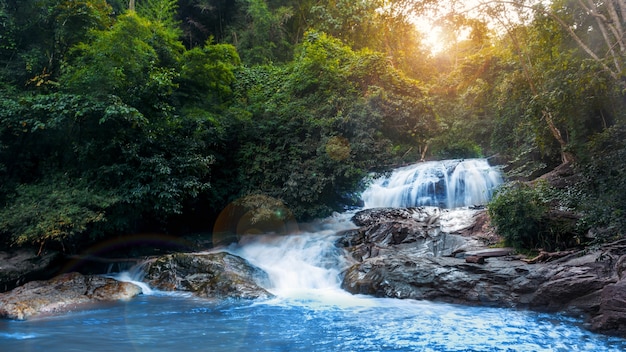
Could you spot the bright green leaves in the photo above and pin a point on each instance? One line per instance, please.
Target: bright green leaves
(321, 64)
(357, 23)
(161, 12)
(321, 123)
(207, 74)
(126, 61)
(136, 59)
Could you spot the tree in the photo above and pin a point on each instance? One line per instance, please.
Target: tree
(136, 60)
(318, 125)
(260, 32)
(37, 36)
(587, 27)
(207, 74)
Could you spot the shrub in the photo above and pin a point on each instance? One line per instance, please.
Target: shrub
(55, 212)
(532, 216)
(516, 211)
(600, 195)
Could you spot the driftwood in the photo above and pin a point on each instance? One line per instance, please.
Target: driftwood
(548, 256)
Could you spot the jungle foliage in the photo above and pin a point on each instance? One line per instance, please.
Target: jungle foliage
(115, 121)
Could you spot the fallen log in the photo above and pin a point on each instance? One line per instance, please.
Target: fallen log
(547, 256)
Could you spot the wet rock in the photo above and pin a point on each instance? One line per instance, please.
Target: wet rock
(489, 252)
(61, 294)
(420, 231)
(401, 257)
(23, 265)
(210, 275)
(367, 217)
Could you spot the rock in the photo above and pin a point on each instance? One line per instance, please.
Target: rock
(211, 275)
(490, 252)
(367, 217)
(401, 257)
(23, 265)
(560, 177)
(611, 316)
(61, 294)
(417, 230)
(475, 259)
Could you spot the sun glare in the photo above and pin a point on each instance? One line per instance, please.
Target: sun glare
(431, 34)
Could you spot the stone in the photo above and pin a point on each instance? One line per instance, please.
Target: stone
(25, 264)
(401, 257)
(491, 252)
(475, 259)
(217, 275)
(61, 294)
(611, 317)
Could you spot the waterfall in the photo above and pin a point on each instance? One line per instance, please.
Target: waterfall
(300, 266)
(446, 184)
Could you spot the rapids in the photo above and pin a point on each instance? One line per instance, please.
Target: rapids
(310, 312)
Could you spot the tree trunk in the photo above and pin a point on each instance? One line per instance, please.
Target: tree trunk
(565, 155)
(131, 5)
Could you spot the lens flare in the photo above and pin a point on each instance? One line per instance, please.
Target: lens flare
(254, 214)
(338, 148)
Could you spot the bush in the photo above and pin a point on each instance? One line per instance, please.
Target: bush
(531, 217)
(55, 212)
(516, 211)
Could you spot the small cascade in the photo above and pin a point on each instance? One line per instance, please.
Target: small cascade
(135, 276)
(446, 184)
(300, 266)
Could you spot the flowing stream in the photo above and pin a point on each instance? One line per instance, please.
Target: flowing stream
(309, 313)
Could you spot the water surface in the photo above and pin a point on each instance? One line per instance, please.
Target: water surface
(332, 322)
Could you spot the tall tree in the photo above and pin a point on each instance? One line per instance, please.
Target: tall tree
(592, 28)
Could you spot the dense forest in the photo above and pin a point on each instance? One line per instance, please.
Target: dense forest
(121, 117)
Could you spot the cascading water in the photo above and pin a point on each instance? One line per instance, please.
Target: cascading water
(445, 184)
(310, 311)
(305, 266)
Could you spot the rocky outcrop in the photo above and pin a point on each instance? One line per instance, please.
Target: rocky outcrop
(211, 275)
(23, 265)
(414, 232)
(61, 294)
(409, 258)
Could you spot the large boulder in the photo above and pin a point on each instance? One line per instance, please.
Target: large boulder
(211, 275)
(61, 294)
(422, 231)
(416, 257)
(25, 264)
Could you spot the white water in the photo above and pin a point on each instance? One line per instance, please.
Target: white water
(446, 184)
(310, 313)
(304, 267)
